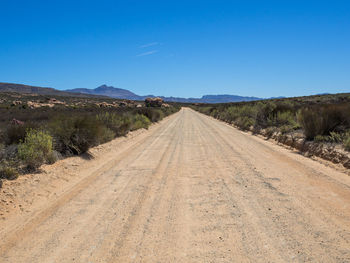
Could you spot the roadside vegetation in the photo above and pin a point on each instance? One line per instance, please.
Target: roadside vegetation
(32, 136)
(322, 118)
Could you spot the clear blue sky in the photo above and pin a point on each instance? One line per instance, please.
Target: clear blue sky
(180, 48)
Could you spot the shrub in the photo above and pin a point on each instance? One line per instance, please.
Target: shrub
(8, 173)
(14, 134)
(347, 142)
(319, 121)
(286, 129)
(2, 151)
(120, 124)
(78, 134)
(333, 138)
(265, 114)
(52, 157)
(140, 121)
(245, 122)
(270, 131)
(152, 114)
(35, 148)
(62, 129)
(285, 118)
(229, 115)
(106, 134)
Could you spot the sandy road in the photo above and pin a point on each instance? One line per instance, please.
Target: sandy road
(191, 189)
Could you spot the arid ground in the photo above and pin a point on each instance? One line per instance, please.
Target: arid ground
(189, 189)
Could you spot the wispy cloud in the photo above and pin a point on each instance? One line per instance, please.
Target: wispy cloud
(149, 45)
(147, 53)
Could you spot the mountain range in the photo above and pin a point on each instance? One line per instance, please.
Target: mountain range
(113, 92)
(27, 89)
(109, 91)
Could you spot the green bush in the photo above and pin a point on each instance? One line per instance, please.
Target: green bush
(245, 122)
(106, 134)
(319, 120)
(285, 118)
(242, 116)
(120, 124)
(77, 135)
(36, 147)
(152, 114)
(265, 114)
(140, 121)
(8, 173)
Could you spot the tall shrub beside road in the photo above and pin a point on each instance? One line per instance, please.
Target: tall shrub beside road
(35, 149)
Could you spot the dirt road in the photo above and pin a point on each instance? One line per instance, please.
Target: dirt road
(191, 189)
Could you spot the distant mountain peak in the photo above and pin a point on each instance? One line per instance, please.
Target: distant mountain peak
(105, 87)
(113, 92)
(109, 91)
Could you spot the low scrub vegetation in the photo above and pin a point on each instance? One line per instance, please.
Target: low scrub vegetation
(30, 137)
(323, 119)
(8, 173)
(320, 118)
(35, 148)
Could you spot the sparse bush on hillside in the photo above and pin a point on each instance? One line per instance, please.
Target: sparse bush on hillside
(36, 147)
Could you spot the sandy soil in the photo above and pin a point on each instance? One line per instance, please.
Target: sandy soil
(190, 189)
